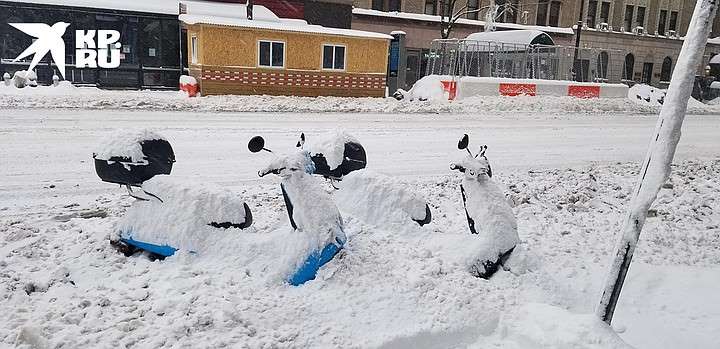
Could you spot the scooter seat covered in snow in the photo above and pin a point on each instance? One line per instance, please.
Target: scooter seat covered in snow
(134, 158)
(354, 158)
(335, 154)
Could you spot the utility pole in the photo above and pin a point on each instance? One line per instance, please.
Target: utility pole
(576, 63)
(656, 167)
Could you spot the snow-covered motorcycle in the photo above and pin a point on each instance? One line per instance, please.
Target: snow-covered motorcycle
(488, 213)
(167, 215)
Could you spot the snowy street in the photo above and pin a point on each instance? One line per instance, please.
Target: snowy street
(212, 146)
(567, 175)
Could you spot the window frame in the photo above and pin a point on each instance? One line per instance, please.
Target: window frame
(271, 41)
(322, 56)
(193, 49)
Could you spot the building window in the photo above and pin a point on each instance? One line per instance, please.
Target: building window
(554, 14)
(662, 20)
(193, 49)
(377, 5)
(605, 12)
(591, 13)
(629, 67)
(271, 54)
(472, 7)
(629, 18)
(602, 65)
(548, 13)
(430, 7)
(666, 72)
(673, 20)
(334, 57)
(394, 5)
(542, 12)
(647, 73)
(511, 10)
(640, 17)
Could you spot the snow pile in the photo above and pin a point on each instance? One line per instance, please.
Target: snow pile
(23, 78)
(428, 88)
(63, 284)
(93, 98)
(647, 95)
(183, 219)
(126, 144)
(537, 325)
(331, 145)
(379, 200)
(187, 79)
(654, 97)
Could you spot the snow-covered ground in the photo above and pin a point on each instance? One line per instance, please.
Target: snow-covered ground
(567, 174)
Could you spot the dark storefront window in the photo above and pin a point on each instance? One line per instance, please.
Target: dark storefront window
(151, 38)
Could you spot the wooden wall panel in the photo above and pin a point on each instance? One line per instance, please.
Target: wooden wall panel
(237, 47)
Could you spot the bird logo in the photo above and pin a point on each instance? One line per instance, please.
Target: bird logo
(48, 38)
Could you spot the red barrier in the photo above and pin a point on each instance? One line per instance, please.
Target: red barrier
(584, 91)
(511, 89)
(451, 88)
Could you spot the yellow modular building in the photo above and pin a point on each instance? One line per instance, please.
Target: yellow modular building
(273, 56)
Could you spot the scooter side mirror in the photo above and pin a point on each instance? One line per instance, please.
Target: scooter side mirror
(256, 144)
(463, 143)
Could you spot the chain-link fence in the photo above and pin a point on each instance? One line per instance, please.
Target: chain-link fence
(505, 60)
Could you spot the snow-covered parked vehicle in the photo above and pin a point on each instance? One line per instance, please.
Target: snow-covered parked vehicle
(310, 208)
(168, 215)
(365, 194)
(488, 213)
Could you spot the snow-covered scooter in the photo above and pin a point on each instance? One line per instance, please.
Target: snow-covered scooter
(310, 207)
(168, 215)
(488, 213)
(370, 196)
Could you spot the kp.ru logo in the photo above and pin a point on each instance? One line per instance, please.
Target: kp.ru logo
(88, 54)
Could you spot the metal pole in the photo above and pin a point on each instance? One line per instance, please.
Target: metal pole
(576, 64)
(656, 167)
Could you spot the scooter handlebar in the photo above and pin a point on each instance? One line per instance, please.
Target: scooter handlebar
(265, 172)
(457, 167)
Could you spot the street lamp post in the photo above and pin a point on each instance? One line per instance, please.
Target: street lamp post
(576, 63)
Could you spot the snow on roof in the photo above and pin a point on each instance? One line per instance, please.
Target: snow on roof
(431, 18)
(519, 37)
(171, 7)
(291, 25)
